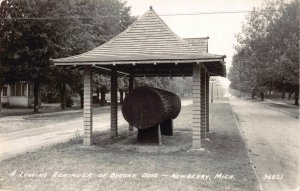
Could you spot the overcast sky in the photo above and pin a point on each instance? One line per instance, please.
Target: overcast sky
(220, 28)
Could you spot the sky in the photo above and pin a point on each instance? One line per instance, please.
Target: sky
(220, 28)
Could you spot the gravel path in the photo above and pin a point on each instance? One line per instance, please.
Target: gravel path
(273, 139)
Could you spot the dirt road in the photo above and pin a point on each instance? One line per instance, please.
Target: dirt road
(50, 129)
(273, 139)
(26, 139)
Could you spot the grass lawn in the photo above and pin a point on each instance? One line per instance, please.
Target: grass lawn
(123, 164)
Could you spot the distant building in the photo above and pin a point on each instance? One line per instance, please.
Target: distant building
(19, 94)
(199, 43)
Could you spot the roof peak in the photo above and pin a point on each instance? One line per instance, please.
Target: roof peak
(148, 38)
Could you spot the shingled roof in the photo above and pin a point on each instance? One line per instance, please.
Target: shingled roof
(148, 39)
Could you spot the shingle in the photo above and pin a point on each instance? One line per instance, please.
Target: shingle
(198, 43)
(149, 38)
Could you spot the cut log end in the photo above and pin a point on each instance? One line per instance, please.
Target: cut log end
(146, 107)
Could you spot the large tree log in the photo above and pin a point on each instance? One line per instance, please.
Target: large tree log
(146, 107)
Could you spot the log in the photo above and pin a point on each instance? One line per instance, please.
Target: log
(147, 107)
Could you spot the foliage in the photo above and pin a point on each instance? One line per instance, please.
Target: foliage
(178, 85)
(33, 31)
(267, 54)
(100, 21)
(149, 81)
(25, 42)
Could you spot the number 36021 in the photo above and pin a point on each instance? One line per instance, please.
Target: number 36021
(273, 177)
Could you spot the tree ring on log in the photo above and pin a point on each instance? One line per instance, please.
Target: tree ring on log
(146, 107)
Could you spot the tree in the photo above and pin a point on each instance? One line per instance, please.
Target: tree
(27, 44)
(267, 52)
(148, 81)
(34, 31)
(102, 84)
(178, 85)
(100, 21)
(6, 37)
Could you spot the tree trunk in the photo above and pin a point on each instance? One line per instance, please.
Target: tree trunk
(1, 88)
(290, 95)
(98, 92)
(102, 92)
(121, 96)
(63, 96)
(297, 97)
(36, 96)
(262, 96)
(81, 99)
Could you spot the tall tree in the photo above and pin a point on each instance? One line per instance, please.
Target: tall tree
(34, 31)
(98, 21)
(267, 51)
(27, 42)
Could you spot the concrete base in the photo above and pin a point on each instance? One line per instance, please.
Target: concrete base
(87, 142)
(196, 150)
(92, 147)
(150, 135)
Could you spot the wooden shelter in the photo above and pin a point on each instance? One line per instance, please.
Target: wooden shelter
(148, 48)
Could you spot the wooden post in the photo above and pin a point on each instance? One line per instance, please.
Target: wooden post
(1, 92)
(150, 135)
(167, 127)
(202, 103)
(121, 91)
(87, 110)
(114, 103)
(196, 139)
(130, 88)
(207, 101)
(97, 93)
(131, 81)
(102, 95)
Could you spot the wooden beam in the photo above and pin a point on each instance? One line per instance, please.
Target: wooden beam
(196, 139)
(141, 62)
(114, 103)
(202, 104)
(87, 108)
(130, 88)
(107, 69)
(204, 67)
(131, 82)
(207, 101)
